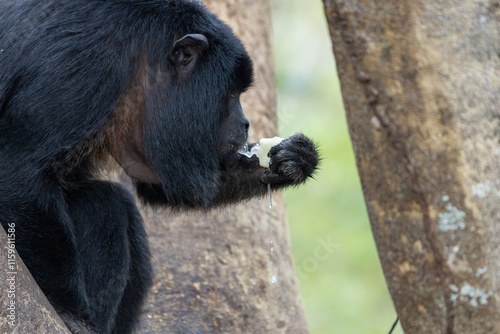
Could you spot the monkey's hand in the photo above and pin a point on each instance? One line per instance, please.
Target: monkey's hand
(293, 161)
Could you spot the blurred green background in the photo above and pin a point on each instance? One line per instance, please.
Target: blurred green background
(342, 291)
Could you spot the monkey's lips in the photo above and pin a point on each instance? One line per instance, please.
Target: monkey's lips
(261, 150)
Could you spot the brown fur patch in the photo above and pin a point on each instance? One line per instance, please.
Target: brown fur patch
(124, 135)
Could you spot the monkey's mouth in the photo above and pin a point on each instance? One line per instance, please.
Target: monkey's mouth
(261, 150)
(244, 150)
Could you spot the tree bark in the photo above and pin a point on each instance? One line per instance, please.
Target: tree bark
(421, 86)
(213, 270)
(24, 308)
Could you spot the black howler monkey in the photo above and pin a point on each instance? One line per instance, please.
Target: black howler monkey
(155, 85)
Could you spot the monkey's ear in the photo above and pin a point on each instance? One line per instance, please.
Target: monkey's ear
(188, 49)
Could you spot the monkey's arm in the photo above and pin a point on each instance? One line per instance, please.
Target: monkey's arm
(293, 161)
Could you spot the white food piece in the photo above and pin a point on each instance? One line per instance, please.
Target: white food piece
(262, 149)
(266, 144)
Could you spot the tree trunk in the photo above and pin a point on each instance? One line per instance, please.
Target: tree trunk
(213, 270)
(421, 87)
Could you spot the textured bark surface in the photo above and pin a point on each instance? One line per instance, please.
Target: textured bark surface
(213, 270)
(21, 300)
(421, 87)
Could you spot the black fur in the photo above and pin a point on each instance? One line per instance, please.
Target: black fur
(66, 66)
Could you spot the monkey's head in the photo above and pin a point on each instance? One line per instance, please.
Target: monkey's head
(182, 115)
